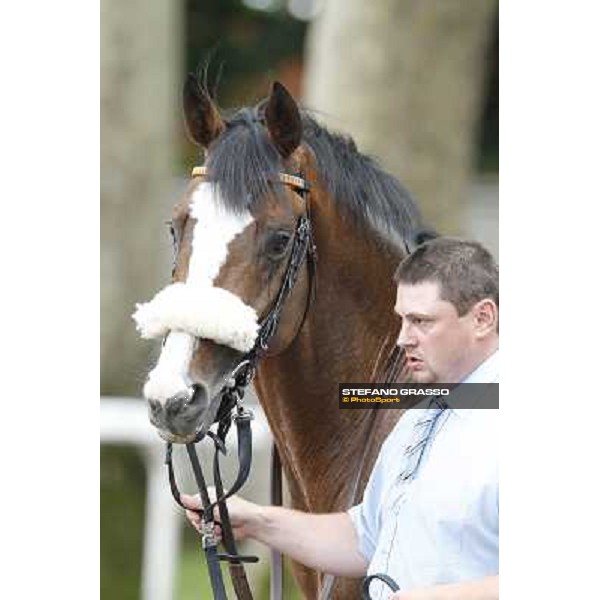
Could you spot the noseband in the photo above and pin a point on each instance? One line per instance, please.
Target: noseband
(231, 409)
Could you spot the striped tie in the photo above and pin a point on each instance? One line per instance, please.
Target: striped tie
(422, 433)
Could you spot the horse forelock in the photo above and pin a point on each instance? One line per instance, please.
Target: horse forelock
(243, 163)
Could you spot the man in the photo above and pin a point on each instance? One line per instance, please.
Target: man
(429, 514)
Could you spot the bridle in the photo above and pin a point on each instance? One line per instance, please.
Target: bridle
(232, 410)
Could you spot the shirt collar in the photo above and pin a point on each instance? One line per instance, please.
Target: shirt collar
(487, 372)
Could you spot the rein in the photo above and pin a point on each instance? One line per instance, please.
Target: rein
(232, 410)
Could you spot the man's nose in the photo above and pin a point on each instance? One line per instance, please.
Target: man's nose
(405, 337)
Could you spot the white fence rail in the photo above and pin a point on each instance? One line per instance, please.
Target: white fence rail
(125, 421)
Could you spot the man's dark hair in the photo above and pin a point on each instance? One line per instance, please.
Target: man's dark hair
(465, 271)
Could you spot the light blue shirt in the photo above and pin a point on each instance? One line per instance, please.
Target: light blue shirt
(442, 525)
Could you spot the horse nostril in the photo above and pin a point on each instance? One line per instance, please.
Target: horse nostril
(154, 407)
(182, 411)
(179, 402)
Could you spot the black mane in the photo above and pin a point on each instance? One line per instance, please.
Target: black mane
(243, 162)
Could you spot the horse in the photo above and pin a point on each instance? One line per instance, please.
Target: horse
(233, 232)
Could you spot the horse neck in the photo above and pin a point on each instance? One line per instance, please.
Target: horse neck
(348, 334)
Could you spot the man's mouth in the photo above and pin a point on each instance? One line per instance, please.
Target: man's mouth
(415, 363)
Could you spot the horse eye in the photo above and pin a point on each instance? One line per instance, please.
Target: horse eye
(277, 244)
(174, 245)
(172, 232)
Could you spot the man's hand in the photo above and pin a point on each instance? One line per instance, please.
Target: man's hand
(326, 542)
(242, 514)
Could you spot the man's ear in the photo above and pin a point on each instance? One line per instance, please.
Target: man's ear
(485, 317)
(202, 119)
(283, 120)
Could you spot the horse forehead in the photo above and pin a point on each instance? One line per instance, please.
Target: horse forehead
(215, 227)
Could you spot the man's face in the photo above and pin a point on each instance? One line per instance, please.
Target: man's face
(440, 346)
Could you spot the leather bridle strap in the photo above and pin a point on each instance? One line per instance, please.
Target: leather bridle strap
(209, 542)
(244, 435)
(303, 248)
(286, 178)
(236, 568)
(276, 581)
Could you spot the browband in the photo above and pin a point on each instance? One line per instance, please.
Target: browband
(292, 180)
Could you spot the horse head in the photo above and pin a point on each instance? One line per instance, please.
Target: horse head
(233, 234)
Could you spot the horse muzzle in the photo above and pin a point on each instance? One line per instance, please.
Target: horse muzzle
(182, 417)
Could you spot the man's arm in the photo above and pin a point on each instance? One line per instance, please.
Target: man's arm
(326, 542)
(479, 589)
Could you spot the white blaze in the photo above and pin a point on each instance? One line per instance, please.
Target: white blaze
(215, 228)
(197, 308)
(169, 377)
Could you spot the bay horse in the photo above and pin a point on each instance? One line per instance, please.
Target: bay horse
(233, 232)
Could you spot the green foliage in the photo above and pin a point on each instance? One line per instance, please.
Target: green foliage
(122, 499)
(248, 42)
(252, 46)
(242, 49)
(488, 152)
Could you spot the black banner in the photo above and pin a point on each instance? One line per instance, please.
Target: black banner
(417, 395)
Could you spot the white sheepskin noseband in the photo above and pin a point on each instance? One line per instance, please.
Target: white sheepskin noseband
(203, 311)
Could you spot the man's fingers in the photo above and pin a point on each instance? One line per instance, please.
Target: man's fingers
(196, 520)
(194, 517)
(193, 503)
(190, 501)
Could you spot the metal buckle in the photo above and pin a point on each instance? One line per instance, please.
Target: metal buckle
(209, 539)
(243, 414)
(231, 381)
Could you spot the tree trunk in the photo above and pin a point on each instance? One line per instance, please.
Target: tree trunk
(404, 78)
(140, 62)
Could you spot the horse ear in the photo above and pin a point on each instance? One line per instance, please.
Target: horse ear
(283, 120)
(202, 119)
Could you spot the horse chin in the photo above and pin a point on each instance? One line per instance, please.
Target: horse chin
(175, 438)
